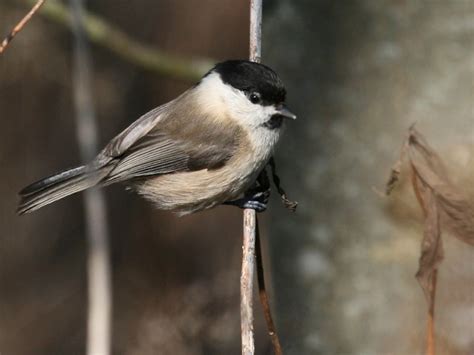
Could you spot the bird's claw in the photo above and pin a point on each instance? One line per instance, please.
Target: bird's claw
(255, 205)
(256, 201)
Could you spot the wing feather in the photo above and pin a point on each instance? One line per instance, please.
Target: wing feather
(134, 132)
(169, 139)
(161, 157)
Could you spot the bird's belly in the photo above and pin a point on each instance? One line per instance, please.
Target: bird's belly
(192, 191)
(187, 192)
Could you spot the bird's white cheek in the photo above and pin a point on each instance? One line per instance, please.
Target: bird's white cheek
(250, 114)
(260, 115)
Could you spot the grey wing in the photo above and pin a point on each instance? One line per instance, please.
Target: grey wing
(133, 133)
(152, 155)
(151, 147)
(158, 153)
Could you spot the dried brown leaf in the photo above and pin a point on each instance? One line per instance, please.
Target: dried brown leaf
(456, 208)
(393, 179)
(445, 206)
(457, 215)
(432, 245)
(418, 144)
(396, 170)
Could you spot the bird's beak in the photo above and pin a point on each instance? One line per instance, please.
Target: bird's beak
(283, 111)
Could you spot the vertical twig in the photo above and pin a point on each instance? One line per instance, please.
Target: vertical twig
(246, 283)
(98, 259)
(250, 216)
(256, 30)
(430, 327)
(19, 26)
(262, 292)
(430, 324)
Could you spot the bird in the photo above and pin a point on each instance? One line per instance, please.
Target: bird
(205, 148)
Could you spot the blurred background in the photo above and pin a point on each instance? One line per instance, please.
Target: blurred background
(358, 74)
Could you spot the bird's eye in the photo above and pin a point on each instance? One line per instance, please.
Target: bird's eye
(255, 97)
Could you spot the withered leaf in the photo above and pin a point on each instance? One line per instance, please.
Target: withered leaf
(432, 244)
(456, 208)
(444, 205)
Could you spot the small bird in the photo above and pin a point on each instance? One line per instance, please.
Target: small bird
(205, 148)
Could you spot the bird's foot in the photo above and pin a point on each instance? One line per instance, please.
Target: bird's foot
(256, 201)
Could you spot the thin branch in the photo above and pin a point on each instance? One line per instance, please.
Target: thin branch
(262, 292)
(430, 327)
(431, 293)
(256, 30)
(100, 32)
(246, 283)
(98, 258)
(20, 25)
(250, 216)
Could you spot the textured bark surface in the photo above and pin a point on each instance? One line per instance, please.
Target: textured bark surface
(344, 265)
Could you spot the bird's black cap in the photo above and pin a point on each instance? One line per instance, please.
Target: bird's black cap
(250, 76)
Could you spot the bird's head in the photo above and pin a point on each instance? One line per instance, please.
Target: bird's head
(250, 93)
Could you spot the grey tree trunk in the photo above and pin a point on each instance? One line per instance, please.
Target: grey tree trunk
(359, 73)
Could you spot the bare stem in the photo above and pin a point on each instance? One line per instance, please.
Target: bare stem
(250, 216)
(430, 328)
(98, 259)
(262, 292)
(19, 26)
(246, 283)
(256, 30)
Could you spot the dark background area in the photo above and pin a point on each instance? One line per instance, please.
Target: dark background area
(358, 74)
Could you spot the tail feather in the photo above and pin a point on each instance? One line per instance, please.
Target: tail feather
(51, 180)
(58, 186)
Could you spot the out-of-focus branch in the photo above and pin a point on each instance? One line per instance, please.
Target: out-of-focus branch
(106, 35)
(98, 258)
(19, 26)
